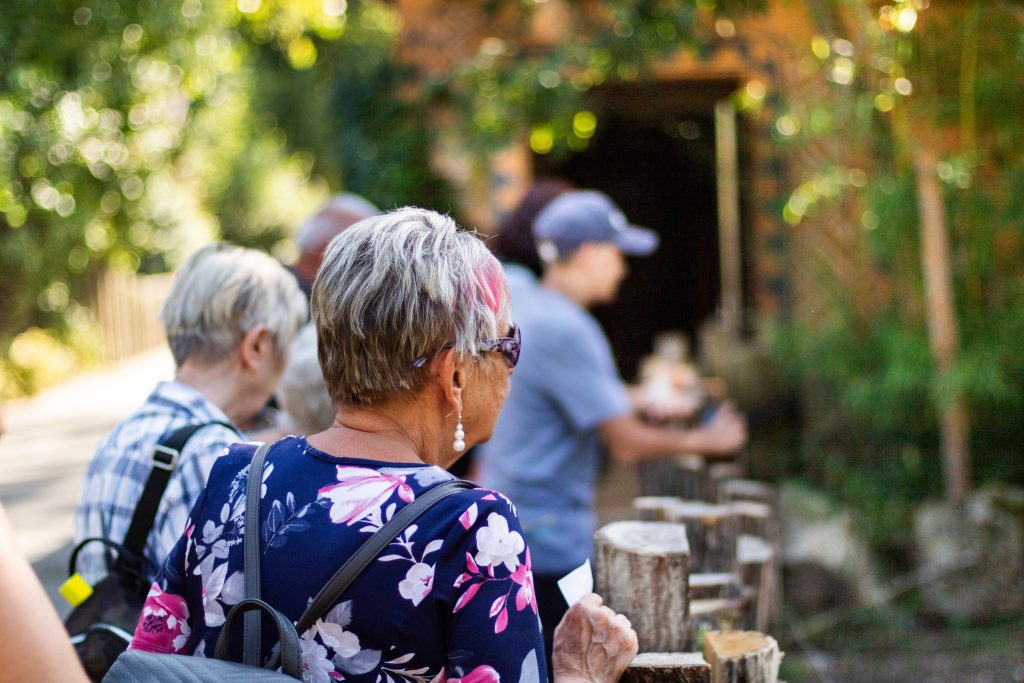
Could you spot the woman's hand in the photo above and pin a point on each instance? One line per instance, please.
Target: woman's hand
(593, 644)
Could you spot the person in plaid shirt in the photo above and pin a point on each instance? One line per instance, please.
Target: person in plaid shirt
(229, 320)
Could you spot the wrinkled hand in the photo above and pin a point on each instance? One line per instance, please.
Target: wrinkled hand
(725, 433)
(593, 644)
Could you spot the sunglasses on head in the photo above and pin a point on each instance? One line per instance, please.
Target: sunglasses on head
(508, 347)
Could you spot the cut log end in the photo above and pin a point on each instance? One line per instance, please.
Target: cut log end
(654, 508)
(646, 538)
(742, 657)
(668, 667)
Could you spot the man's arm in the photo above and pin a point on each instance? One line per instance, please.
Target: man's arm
(630, 440)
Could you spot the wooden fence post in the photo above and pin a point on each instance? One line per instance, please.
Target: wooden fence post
(642, 571)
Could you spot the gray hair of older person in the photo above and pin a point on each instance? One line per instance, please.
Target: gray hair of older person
(337, 214)
(307, 406)
(222, 292)
(397, 287)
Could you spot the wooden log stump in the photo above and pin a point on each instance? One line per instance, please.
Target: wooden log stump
(742, 657)
(755, 519)
(712, 531)
(720, 472)
(732, 490)
(667, 667)
(642, 570)
(683, 476)
(654, 508)
(760, 570)
(715, 586)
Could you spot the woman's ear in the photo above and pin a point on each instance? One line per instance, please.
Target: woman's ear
(256, 348)
(450, 377)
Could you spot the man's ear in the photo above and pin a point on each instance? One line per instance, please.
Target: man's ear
(256, 347)
(584, 254)
(450, 378)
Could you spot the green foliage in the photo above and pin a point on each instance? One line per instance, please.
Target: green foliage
(953, 80)
(511, 87)
(381, 113)
(128, 137)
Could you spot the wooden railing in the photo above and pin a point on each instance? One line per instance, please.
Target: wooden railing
(126, 307)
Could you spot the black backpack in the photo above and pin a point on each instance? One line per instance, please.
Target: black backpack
(101, 627)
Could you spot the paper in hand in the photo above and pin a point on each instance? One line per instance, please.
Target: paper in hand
(577, 583)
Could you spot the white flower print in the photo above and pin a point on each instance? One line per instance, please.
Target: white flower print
(263, 480)
(418, 582)
(345, 643)
(216, 590)
(184, 632)
(316, 667)
(497, 545)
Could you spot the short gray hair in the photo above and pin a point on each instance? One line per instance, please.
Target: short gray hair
(222, 292)
(304, 398)
(397, 287)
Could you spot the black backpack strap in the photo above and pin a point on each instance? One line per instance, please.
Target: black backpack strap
(253, 620)
(372, 547)
(165, 459)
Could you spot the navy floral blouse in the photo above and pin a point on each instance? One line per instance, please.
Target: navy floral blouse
(451, 599)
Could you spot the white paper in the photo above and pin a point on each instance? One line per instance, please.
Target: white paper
(577, 583)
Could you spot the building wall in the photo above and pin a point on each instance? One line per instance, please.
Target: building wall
(764, 53)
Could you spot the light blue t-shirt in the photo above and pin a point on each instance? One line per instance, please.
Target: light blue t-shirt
(545, 451)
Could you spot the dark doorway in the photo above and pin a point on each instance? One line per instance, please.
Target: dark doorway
(654, 154)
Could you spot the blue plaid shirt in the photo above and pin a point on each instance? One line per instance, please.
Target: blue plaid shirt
(122, 463)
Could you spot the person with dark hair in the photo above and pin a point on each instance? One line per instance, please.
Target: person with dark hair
(514, 242)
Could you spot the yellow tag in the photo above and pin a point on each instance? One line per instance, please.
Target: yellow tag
(75, 590)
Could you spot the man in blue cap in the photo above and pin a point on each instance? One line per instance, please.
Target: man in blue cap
(567, 400)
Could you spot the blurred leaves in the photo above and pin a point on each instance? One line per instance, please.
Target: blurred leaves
(128, 134)
(952, 80)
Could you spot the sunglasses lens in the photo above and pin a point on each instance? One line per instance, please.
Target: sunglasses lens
(510, 347)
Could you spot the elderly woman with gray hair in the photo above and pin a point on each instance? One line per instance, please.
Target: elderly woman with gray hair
(417, 345)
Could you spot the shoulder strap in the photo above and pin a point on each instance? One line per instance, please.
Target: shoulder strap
(372, 547)
(252, 620)
(165, 459)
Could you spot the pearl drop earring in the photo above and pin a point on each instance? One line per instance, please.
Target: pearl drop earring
(459, 445)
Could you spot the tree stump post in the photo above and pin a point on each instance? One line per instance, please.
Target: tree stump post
(683, 476)
(759, 568)
(720, 472)
(655, 508)
(642, 570)
(722, 585)
(712, 531)
(732, 490)
(742, 657)
(755, 519)
(667, 667)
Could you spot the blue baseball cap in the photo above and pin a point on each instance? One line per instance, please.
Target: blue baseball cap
(581, 216)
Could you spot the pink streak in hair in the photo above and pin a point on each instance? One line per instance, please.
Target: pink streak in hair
(493, 280)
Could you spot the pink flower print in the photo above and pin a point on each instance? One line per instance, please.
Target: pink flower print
(417, 583)
(481, 674)
(497, 545)
(163, 626)
(523, 576)
(468, 518)
(360, 491)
